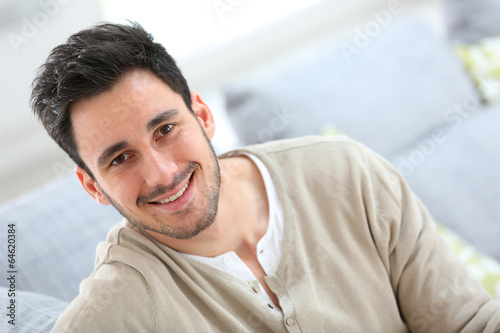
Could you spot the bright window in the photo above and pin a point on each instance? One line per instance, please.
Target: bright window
(184, 27)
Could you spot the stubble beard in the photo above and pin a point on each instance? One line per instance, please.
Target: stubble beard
(187, 229)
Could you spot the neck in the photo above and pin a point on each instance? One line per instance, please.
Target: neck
(242, 216)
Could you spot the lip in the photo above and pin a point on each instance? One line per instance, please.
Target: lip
(178, 203)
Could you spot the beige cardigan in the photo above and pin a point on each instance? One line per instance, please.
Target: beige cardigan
(360, 254)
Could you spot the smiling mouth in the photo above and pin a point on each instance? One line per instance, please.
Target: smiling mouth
(175, 196)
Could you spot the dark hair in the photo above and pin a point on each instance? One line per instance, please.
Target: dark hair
(89, 63)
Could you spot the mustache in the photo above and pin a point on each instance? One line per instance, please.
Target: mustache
(162, 189)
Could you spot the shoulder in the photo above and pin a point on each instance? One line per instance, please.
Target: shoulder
(127, 244)
(306, 149)
(299, 143)
(115, 298)
(334, 153)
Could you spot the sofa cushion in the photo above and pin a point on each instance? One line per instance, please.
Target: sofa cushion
(385, 95)
(57, 229)
(34, 312)
(471, 20)
(455, 171)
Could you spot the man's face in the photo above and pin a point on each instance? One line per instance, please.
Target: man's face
(150, 156)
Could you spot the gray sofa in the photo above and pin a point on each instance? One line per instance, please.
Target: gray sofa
(404, 95)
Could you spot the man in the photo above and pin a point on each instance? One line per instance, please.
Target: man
(303, 235)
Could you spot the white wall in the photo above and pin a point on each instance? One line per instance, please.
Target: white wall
(29, 29)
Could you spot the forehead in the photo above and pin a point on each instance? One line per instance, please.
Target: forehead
(121, 113)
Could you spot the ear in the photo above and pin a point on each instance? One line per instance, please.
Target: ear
(91, 186)
(203, 114)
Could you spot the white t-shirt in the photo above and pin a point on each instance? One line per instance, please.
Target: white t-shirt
(268, 247)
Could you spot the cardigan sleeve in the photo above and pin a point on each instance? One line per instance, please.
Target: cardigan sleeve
(433, 288)
(114, 299)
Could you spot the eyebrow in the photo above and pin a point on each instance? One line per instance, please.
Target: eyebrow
(161, 117)
(110, 152)
(158, 119)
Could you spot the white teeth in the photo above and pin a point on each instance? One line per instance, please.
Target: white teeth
(175, 196)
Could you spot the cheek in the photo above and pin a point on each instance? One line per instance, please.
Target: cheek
(122, 190)
(192, 147)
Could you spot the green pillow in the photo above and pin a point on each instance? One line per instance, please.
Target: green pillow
(482, 61)
(481, 267)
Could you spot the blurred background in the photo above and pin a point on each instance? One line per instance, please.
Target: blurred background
(214, 41)
(31, 28)
(211, 40)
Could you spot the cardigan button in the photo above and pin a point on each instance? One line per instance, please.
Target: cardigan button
(289, 321)
(256, 289)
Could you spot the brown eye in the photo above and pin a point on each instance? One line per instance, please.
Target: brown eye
(164, 130)
(120, 159)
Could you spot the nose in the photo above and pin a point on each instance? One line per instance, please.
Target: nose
(158, 168)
